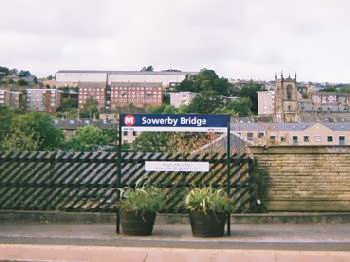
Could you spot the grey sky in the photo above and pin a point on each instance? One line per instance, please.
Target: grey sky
(237, 38)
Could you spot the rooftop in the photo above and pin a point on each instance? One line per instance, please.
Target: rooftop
(260, 126)
(137, 84)
(123, 72)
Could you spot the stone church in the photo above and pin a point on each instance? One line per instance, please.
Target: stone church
(286, 105)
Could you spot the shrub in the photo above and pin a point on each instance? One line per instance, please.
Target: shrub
(208, 200)
(142, 200)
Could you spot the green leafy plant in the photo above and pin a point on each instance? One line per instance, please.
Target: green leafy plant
(259, 183)
(142, 200)
(208, 200)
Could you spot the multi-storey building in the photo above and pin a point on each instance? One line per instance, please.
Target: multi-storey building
(2, 97)
(321, 133)
(95, 80)
(10, 98)
(95, 90)
(43, 100)
(178, 99)
(73, 77)
(266, 101)
(138, 94)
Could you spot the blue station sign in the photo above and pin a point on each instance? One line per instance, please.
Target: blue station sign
(174, 123)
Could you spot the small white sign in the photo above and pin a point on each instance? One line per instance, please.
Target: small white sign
(177, 166)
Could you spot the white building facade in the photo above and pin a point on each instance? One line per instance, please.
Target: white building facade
(266, 103)
(181, 98)
(73, 77)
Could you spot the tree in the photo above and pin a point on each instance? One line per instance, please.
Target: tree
(17, 140)
(250, 90)
(240, 107)
(6, 117)
(163, 109)
(147, 69)
(151, 142)
(68, 103)
(206, 81)
(23, 73)
(4, 70)
(22, 82)
(90, 108)
(205, 103)
(40, 127)
(88, 138)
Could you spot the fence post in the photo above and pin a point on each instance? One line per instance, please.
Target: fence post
(251, 181)
(119, 173)
(228, 162)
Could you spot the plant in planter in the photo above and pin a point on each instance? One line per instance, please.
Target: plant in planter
(138, 209)
(209, 209)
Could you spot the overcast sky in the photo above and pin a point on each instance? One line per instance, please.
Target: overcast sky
(237, 38)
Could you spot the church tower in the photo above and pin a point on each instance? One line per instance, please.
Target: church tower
(286, 108)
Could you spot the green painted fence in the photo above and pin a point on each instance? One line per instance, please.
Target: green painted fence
(89, 181)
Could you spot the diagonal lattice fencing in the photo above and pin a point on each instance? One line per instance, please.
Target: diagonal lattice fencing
(89, 181)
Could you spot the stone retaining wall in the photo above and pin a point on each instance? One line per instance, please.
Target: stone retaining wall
(306, 178)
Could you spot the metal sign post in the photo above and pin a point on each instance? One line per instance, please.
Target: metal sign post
(174, 123)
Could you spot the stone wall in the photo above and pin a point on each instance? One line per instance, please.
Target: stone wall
(306, 178)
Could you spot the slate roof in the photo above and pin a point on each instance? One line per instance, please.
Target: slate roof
(124, 72)
(260, 126)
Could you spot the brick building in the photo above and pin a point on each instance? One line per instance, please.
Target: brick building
(43, 100)
(10, 98)
(95, 90)
(138, 94)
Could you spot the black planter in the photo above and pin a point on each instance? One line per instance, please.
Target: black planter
(208, 225)
(137, 224)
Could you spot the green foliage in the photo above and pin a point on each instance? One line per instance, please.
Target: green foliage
(22, 82)
(250, 90)
(143, 200)
(19, 141)
(4, 70)
(89, 138)
(329, 89)
(40, 127)
(90, 109)
(208, 200)
(151, 142)
(163, 109)
(68, 104)
(259, 188)
(206, 81)
(6, 117)
(205, 103)
(240, 107)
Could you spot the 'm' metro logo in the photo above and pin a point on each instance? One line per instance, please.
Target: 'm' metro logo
(129, 120)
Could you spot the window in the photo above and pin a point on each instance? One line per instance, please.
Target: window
(260, 135)
(329, 139)
(342, 140)
(250, 136)
(306, 139)
(289, 92)
(134, 133)
(318, 139)
(283, 139)
(295, 140)
(125, 133)
(272, 139)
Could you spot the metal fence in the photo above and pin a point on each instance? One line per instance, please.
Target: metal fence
(89, 181)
